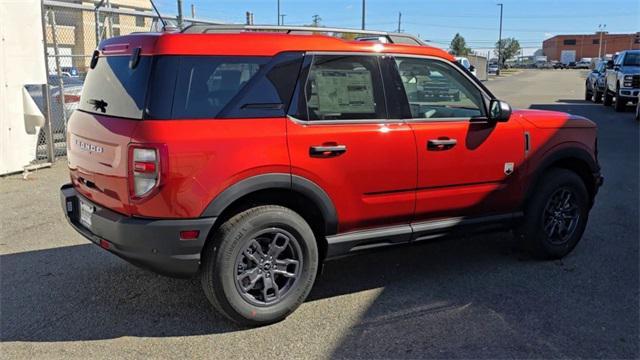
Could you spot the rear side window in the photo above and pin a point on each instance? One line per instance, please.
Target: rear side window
(205, 85)
(114, 89)
(202, 87)
(344, 87)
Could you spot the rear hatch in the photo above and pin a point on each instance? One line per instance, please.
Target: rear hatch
(110, 108)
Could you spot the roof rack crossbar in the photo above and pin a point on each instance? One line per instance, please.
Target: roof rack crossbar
(204, 29)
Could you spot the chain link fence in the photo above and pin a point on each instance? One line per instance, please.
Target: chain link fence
(73, 29)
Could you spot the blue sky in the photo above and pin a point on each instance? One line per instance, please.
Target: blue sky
(529, 21)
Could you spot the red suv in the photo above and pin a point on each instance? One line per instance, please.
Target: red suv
(249, 158)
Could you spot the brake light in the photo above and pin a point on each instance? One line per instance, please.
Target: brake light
(146, 165)
(68, 98)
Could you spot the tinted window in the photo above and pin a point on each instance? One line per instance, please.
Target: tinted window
(112, 88)
(205, 85)
(344, 88)
(435, 90)
(632, 59)
(569, 42)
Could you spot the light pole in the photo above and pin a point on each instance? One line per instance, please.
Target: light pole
(601, 28)
(282, 18)
(500, 42)
(363, 12)
(278, 12)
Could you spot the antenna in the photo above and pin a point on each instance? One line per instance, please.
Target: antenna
(164, 23)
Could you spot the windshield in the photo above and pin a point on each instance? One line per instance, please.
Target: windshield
(112, 88)
(632, 59)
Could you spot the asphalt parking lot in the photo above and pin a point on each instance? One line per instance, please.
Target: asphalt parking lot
(466, 298)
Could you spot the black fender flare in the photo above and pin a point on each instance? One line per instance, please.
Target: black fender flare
(572, 152)
(285, 181)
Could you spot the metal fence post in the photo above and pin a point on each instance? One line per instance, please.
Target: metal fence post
(51, 156)
(56, 52)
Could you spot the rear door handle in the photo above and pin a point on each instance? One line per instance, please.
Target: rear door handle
(441, 144)
(326, 151)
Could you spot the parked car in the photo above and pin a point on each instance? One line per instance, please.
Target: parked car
(583, 64)
(249, 159)
(594, 85)
(71, 96)
(622, 82)
(571, 65)
(559, 65)
(467, 65)
(493, 69)
(70, 71)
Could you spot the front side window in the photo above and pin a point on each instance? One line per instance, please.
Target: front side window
(344, 87)
(435, 90)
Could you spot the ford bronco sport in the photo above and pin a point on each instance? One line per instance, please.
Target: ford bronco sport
(249, 158)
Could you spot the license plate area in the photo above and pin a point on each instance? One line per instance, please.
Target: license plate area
(86, 211)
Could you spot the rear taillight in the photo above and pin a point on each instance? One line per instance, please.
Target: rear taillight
(146, 165)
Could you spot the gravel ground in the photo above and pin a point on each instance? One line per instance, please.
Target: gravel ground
(466, 298)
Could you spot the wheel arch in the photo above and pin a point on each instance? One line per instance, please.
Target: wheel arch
(295, 192)
(572, 158)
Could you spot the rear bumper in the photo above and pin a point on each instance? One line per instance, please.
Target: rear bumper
(150, 243)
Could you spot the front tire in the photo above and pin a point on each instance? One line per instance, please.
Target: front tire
(620, 104)
(597, 96)
(556, 215)
(260, 265)
(587, 93)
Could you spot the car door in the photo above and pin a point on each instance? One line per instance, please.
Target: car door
(341, 137)
(467, 165)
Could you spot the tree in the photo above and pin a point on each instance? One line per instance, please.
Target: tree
(459, 46)
(506, 49)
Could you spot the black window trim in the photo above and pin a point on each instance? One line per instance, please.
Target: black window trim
(304, 73)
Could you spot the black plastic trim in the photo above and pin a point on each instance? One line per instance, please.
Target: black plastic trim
(354, 241)
(150, 243)
(277, 181)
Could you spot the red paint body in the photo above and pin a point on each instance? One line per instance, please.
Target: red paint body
(386, 177)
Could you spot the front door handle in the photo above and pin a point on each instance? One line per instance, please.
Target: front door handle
(441, 144)
(326, 151)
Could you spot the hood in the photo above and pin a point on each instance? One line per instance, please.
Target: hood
(545, 119)
(630, 70)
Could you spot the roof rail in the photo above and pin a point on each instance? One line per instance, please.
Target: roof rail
(370, 35)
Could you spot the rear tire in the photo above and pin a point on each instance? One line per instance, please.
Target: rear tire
(260, 265)
(597, 96)
(556, 215)
(607, 99)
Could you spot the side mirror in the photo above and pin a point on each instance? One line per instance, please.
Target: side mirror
(499, 111)
(472, 68)
(609, 64)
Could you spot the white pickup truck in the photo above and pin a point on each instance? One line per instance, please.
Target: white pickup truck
(622, 80)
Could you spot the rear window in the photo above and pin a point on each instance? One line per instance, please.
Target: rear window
(113, 89)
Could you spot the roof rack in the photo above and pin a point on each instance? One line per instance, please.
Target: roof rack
(369, 35)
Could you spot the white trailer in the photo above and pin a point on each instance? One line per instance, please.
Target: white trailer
(567, 56)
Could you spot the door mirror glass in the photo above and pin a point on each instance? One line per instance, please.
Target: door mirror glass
(499, 111)
(472, 68)
(610, 64)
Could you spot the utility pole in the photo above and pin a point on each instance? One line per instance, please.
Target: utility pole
(180, 14)
(500, 41)
(363, 12)
(315, 20)
(249, 16)
(601, 28)
(399, 22)
(193, 11)
(282, 18)
(279, 12)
